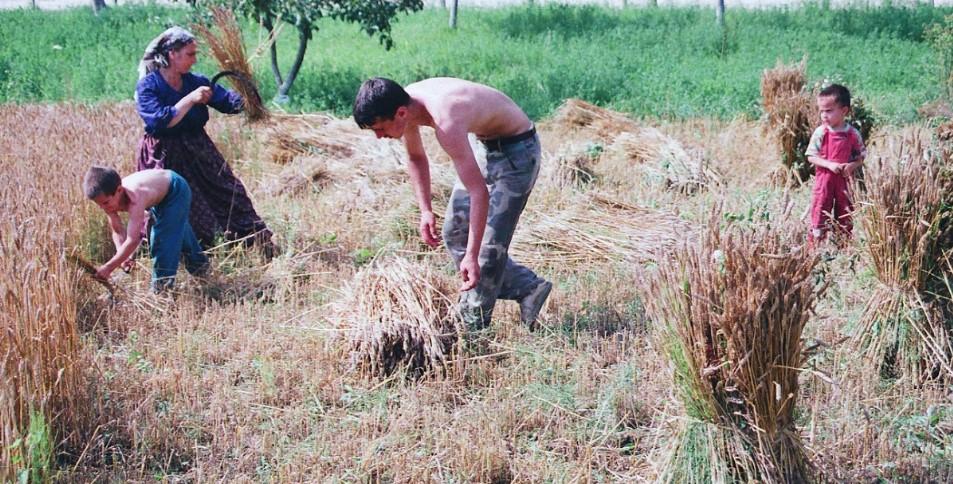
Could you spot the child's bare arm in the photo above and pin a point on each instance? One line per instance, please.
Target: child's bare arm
(117, 230)
(127, 237)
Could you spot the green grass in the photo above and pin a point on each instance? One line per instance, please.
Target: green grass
(667, 62)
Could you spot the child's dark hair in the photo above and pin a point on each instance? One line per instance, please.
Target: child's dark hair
(378, 98)
(100, 180)
(840, 94)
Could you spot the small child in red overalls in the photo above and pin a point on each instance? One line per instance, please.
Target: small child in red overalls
(836, 150)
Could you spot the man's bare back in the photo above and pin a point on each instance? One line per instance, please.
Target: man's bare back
(484, 111)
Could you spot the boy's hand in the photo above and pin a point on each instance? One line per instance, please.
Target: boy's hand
(470, 272)
(128, 265)
(103, 273)
(428, 229)
(835, 167)
(851, 168)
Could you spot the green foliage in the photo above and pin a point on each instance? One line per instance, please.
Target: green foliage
(36, 451)
(668, 62)
(940, 36)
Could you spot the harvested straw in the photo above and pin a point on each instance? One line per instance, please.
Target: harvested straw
(907, 218)
(576, 114)
(306, 173)
(595, 229)
(791, 112)
(731, 311)
(397, 314)
(229, 50)
(574, 169)
(664, 160)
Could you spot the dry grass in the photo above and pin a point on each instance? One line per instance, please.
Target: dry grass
(243, 377)
(907, 221)
(592, 230)
(732, 311)
(228, 48)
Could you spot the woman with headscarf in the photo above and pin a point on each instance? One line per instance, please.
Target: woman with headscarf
(173, 103)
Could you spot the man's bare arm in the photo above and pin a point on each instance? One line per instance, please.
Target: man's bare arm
(419, 170)
(454, 141)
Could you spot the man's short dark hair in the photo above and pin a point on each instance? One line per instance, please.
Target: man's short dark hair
(377, 99)
(840, 94)
(100, 180)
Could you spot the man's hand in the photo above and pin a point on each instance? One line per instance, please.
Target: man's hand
(103, 273)
(428, 229)
(470, 272)
(128, 265)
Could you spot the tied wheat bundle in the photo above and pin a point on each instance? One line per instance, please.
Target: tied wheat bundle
(397, 314)
(731, 311)
(791, 113)
(229, 51)
(907, 217)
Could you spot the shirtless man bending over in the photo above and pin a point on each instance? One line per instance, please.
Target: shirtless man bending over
(486, 203)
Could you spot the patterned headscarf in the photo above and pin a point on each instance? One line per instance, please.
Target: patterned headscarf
(157, 53)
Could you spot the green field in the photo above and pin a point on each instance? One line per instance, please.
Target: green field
(666, 62)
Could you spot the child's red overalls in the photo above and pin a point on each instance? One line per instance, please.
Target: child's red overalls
(831, 196)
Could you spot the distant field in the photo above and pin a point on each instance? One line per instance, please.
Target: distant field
(670, 62)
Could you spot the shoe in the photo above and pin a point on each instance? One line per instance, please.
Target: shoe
(532, 303)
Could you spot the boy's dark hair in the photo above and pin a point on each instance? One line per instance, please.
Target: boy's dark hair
(100, 180)
(378, 98)
(840, 94)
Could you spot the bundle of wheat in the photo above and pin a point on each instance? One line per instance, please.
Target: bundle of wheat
(662, 158)
(306, 173)
(907, 218)
(397, 314)
(229, 50)
(731, 311)
(574, 168)
(578, 115)
(779, 84)
(791, 112)
(594, 229)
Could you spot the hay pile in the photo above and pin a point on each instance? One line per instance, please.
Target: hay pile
(731, 311)
(791, 112)
(663, 160)
(576, 115)
(397, 314)
(907, 218)
(574, 168)
(228, 49)
(594, 229)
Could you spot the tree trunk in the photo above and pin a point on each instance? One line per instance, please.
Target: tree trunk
(720, 13)
(98, 5)
(304, 35)
(267, 22)
(453, 14)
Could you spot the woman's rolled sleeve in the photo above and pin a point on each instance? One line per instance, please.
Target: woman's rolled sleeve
(153, 112)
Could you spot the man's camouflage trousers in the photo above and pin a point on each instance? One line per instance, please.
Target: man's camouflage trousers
(510, 172)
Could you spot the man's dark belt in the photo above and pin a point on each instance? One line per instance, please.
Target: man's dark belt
(499, 143)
